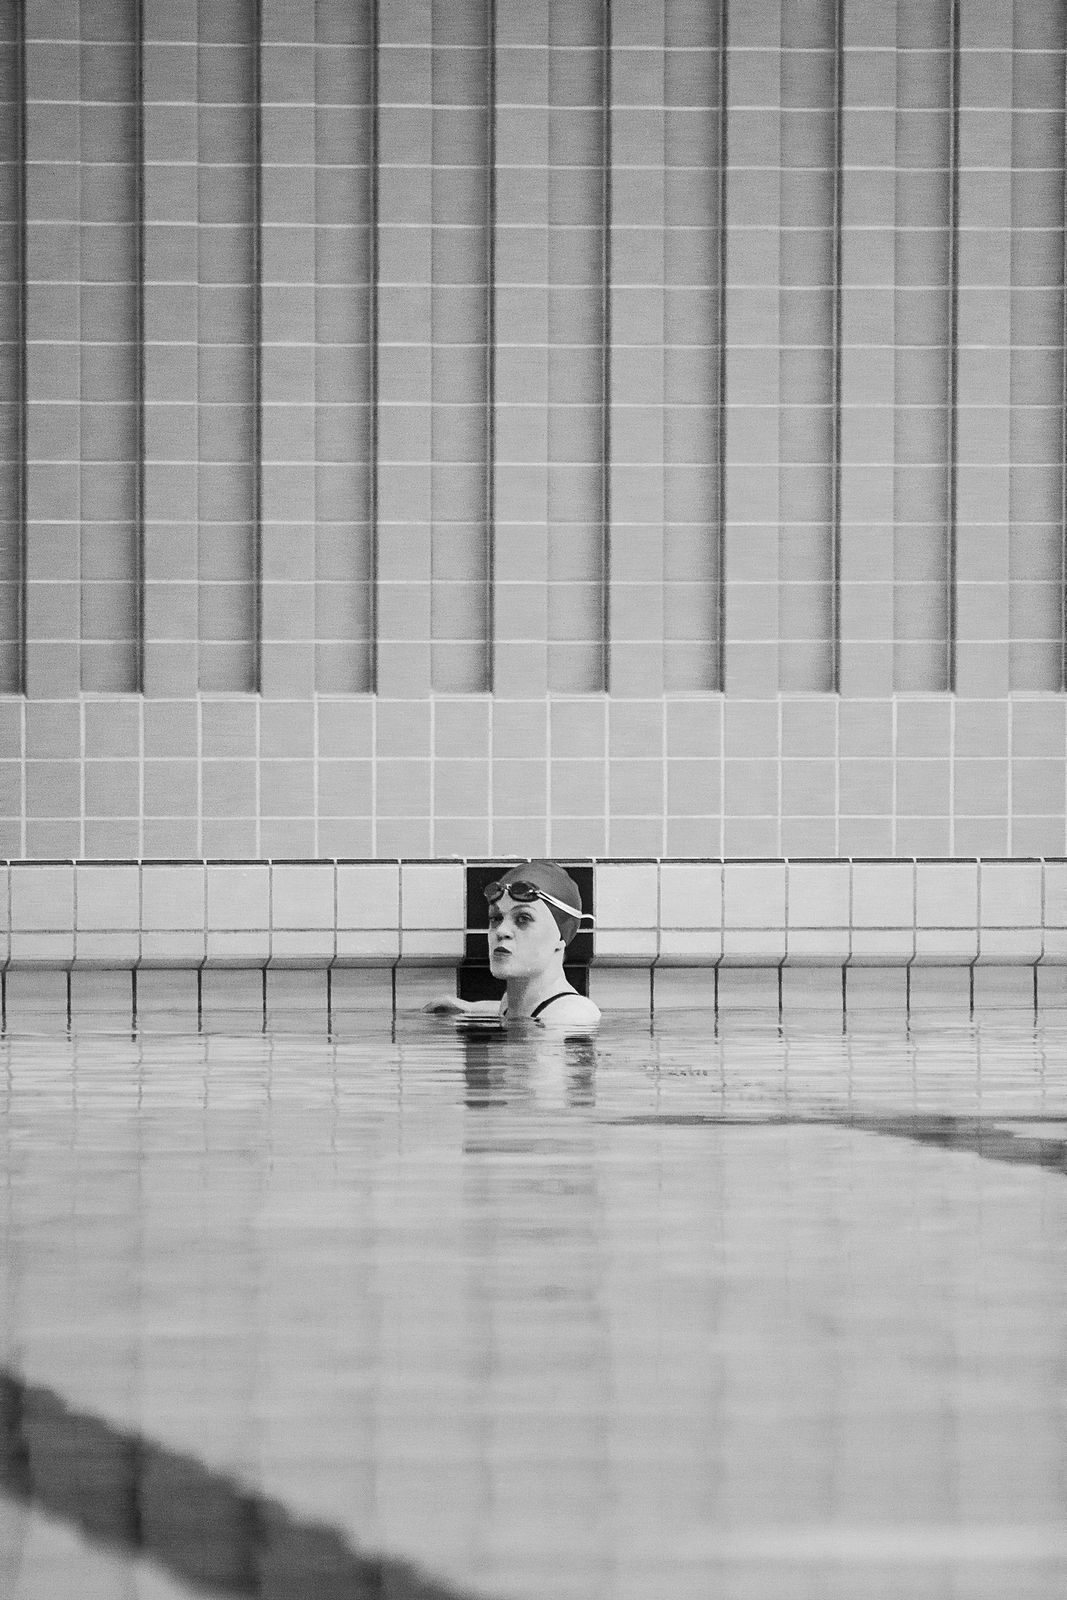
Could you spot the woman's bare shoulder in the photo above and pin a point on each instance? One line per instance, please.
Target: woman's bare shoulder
(571, 1011)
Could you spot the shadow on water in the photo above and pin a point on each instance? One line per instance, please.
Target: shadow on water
(978, 1136)
(122, 1491)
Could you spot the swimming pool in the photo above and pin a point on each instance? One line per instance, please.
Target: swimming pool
(700, 1310)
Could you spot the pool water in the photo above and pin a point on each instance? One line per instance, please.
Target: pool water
(416, 1311)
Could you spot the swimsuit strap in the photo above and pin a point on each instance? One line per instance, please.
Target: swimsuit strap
(563, 993)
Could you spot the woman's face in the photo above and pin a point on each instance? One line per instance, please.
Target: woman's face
(523, 938)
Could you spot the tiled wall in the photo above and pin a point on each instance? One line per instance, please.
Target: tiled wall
(569, 775)
(366, 935)
(474, 428)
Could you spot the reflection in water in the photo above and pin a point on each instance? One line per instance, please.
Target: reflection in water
(126, 1493)
(547, 1073)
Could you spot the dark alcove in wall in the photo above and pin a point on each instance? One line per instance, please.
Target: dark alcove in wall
(476, 982)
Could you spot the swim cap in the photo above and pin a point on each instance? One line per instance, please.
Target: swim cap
(554, 880)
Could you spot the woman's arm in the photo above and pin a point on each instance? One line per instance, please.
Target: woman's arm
(452, 1005)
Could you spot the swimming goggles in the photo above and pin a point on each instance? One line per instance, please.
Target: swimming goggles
(524, 892)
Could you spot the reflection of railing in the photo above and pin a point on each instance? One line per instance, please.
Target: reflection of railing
(129, 1494)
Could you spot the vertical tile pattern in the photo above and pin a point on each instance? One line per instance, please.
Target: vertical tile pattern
(12, 349)
(53, 368)
(506, 223)
(1036, 553)
(751, 360)
(866, 509)
(345, 503)
(433, 311)
(551, 323)
(288, 255)
(170, 356)
(109, 180)
(317, 361)
(666, 421)
(227, 356)
(461, 87)
(924, 423)
(985, 418)
(807, 325)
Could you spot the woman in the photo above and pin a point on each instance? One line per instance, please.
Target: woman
(535, 910)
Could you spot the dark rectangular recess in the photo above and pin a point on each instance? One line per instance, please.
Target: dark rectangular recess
(474, 979)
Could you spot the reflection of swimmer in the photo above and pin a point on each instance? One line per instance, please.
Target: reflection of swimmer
(534, 912)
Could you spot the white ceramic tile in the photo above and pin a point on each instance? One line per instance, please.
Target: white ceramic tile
(1052, 987)
(237, 947)
(1054, 946)
(636, 948)
(104, 991)
(690, 894)
(748, 988)
(238, 897)
(1010, 894)
(433, 895)
(621, 988)
(945, 947)
(368, 895)
(42, 898)
(881, 947)
(367, 947)
(118, 949)
(876, 988)
(946, 894)
(296, 991)
(416, 985)
(29, 994)
(172, 948)
(687, 947)
(302, 896)
(1055, 878)
(813, 989)
(231, 991)
(626, 895)
(431, 946)
(1010, 946)
(363, 989)
(883, 894)
(293, 948)
(934, 988)
(107, 898)
(171, 990)
(754, 894)
(1007, 987)
(41, 949)
(818, 894)
(817, 947)
(753, 947)
(683, 988)
(172, 898)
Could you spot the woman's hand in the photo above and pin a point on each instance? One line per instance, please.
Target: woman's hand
(448, 1005)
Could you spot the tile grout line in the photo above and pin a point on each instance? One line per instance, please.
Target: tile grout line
(722, 264)
(256, 374)
(953, 243)
(140, 369)
(605, 334)
(489, 667)
(837, 314)
(21, 685)
(373, 348)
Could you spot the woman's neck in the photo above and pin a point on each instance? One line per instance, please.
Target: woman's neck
(524, 994)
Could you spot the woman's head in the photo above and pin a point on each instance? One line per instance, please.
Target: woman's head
(530, 930)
